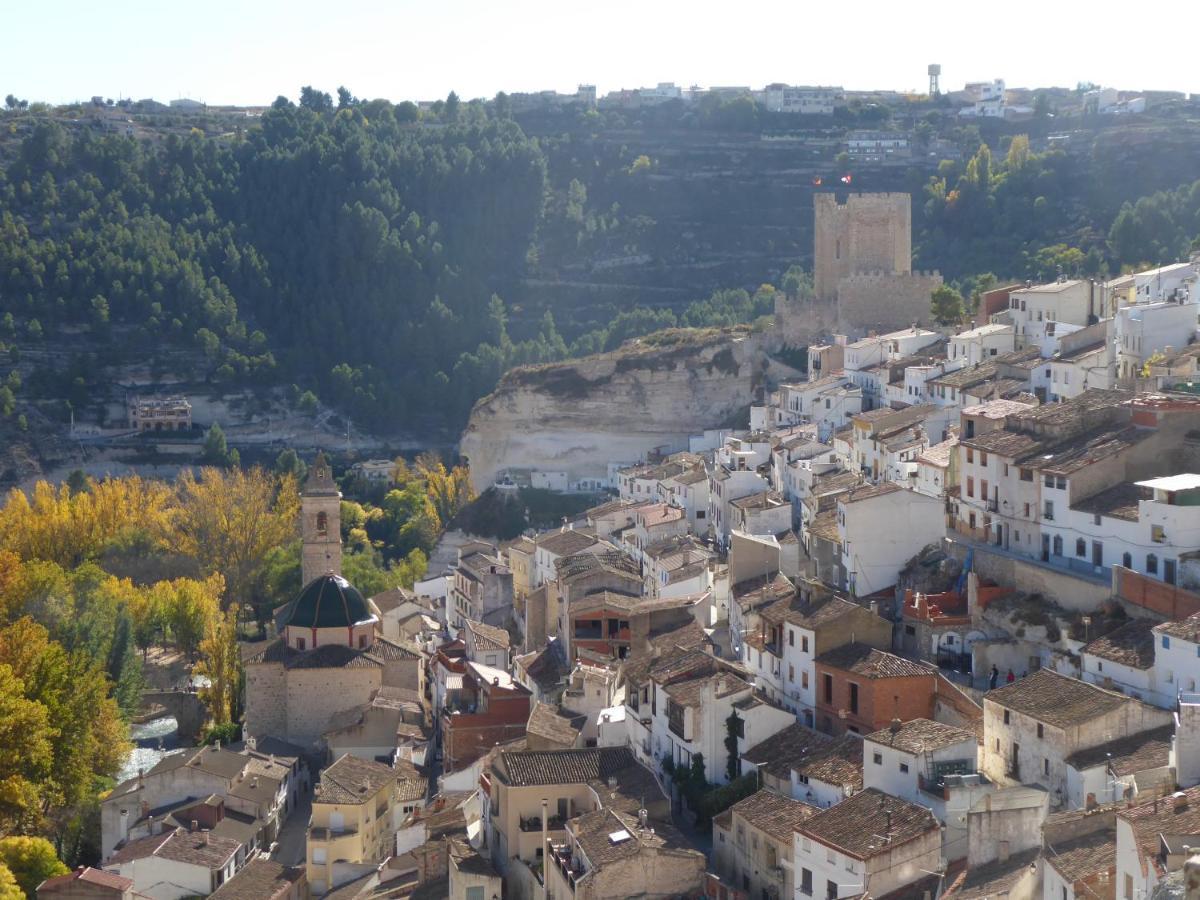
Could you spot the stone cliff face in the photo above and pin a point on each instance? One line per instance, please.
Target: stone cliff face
(577, 417)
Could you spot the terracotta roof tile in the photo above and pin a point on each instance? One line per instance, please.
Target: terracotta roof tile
(1056, 699)
(772, 813)
(353, 780)
(1130, 645)
(545, 722)
(1084, 857)
(1129, 754)
(892, 822)
(921, 736)
(871, 663)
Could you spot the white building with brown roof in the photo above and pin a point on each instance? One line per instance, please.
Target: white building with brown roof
(1123, 660)
(1032, 726)
(930, 764)
(1151, 838)
(752, 843)
(872, 843)
(177, 863)
(609, 854)
(486, 644)
(1136, 767)
(804, 764)
(691, 716)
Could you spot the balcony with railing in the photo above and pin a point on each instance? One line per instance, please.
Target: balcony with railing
(534, 823)
(569, 867)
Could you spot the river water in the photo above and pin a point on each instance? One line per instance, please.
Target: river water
(152, 741)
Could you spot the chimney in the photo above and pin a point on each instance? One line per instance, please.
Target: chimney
(1090, 802)
(1179, 801)
(254, 782)
(643, 818)
(150, 825)
(204, 838)
(141, 778)
(251, 744)
(195, 825)
(145, 809)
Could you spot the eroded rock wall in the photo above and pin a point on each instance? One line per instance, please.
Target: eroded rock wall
(581, 415)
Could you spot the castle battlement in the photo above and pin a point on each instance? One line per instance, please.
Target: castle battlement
(880, 275)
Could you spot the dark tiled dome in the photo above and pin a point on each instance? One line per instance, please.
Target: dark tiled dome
(329, 601)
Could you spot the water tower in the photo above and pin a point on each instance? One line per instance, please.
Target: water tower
(935, 69)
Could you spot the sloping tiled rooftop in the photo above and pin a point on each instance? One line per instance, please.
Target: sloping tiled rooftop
(869, 823)
(545, 722)
(810, 753)
(1084, 857)
(537, 767)
(1118, 502)
(353, 780)
(921, 736)
(1130, 645)
(1129, 754)
(1056, 699)
(871, 663)
(769, 812)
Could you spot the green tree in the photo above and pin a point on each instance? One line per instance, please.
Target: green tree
(31, 860)
(451, 109)
(215, 451)
(946, 305)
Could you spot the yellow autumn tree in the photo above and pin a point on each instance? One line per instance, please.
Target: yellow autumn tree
(221, 663)
(229, 520)
(66, 527)
(448, 491)
(186, 607)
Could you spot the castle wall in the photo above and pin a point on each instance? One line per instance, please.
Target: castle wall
(869, 232)
(885, 302)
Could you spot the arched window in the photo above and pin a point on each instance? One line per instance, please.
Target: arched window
(322, 524)
(1058, 545)
(1151, 564)
(1127, 560)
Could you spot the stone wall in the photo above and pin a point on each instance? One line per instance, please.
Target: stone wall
(314, 696)
(266, 701)
(866, 233)
(883, 301)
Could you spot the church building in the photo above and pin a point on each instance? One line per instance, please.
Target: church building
(328, 655)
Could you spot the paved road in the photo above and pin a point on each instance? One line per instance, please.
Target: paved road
(290, 849)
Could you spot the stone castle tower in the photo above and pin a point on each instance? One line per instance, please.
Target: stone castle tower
(867, 233)
(862, 259)
(320, 523)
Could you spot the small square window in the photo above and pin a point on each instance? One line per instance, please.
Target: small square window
(877, 758)
(1006, 719)
(904, 767)
(1166, 642)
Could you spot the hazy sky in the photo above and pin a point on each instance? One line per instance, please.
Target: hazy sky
(249, 52)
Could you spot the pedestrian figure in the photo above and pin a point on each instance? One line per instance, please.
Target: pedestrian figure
(1011, 677)
(993, 678)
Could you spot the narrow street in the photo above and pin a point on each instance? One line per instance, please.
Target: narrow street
(289, 850)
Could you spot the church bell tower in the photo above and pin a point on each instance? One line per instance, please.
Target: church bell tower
(320, 523)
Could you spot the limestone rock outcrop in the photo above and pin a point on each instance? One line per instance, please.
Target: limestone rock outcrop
(579, 416)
